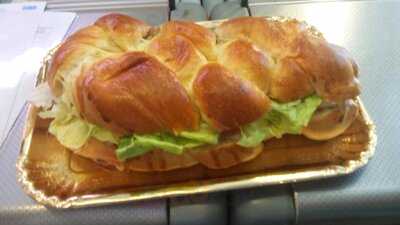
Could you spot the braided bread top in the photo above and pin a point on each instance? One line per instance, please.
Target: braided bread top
(129, 77)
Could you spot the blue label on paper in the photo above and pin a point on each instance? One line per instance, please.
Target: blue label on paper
(29, 7)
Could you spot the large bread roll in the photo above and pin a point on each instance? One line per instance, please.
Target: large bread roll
(129, 77)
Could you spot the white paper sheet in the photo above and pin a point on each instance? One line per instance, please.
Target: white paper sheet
(13, 43)
(23, 47)
(23, 7)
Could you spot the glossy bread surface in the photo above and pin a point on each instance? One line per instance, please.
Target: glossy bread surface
(129, 77)
(257, 60)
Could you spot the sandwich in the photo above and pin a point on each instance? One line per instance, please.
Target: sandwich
(133, 97)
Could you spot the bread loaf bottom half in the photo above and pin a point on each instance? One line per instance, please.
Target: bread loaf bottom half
(58, 171)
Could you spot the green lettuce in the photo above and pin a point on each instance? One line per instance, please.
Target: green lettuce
(203, 134)
(70, 130)
(73, 132)
(136, 145)
(283, 118)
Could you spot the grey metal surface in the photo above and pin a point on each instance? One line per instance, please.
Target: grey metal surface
(270, 205)
(210, 4)
(199, 209)
(188, 11)
(142, 213)
(229, 9)
(370, 31)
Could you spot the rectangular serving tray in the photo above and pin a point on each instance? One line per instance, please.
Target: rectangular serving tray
(54, 176)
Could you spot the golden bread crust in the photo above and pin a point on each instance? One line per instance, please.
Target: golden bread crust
(225, 155)
(329, 68)
(289, 81)
(135, 93)
(126, 32)
(226, 100)
(89, 42)
(112, 33)
(156, 160)
(159, 160)
(272, 37)
(201, 37)
(179, 54)
(247, 62)
(130, 77)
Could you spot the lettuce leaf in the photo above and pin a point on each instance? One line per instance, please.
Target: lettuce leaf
(204, 134)
(283, 118)
(72, 133)
(136, 145)
(70, 130)
(103, 134)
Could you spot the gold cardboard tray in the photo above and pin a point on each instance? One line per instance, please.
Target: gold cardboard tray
(54, 176)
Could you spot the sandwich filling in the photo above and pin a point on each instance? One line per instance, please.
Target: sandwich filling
(73, 132)
(160, 98)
